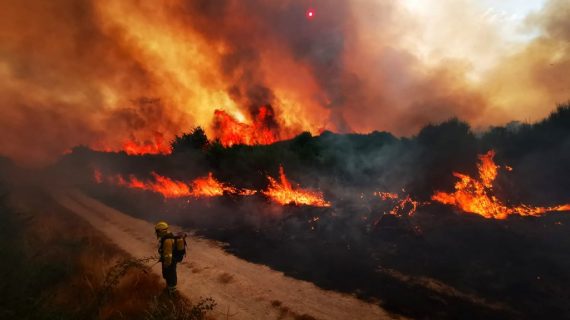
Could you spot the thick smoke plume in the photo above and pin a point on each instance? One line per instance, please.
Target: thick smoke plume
(109, 74)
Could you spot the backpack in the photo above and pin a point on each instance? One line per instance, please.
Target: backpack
(179, 246)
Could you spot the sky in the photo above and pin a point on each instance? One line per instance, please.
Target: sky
(504, 19)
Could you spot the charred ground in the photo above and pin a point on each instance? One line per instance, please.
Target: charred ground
(515, 268)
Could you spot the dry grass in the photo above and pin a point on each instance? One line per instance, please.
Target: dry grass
(225, 278)
(285, 312)
(70, 271)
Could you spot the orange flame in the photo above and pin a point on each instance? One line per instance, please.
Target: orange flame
(167, 187)
(403, 206)
(232, 132)
(487, 169)
(475, 196)
(157, 146)
(210, 187)
(98, 176)
(386, 195)
(283, 193)
(206, 186)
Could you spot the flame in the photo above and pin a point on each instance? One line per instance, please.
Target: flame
(283, 193)
(232, 132)
(475, 196)
(403, 206)
(157, 146)
(386, 195)
(167, 187)
(97, 176)
(206, 186)
(487, 169)
(136, 147)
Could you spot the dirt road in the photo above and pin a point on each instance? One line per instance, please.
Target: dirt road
(242, 290)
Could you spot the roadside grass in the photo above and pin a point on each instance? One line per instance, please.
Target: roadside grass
(55, 266)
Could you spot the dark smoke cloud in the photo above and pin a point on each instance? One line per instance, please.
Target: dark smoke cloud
(249, 29)
(58, 69)
(78, 70)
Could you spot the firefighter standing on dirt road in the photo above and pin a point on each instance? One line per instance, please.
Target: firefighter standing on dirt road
(171, 249)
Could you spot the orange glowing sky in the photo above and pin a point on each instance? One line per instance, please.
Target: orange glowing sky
(113, 73)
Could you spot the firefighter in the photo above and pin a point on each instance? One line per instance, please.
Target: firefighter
(166, 247)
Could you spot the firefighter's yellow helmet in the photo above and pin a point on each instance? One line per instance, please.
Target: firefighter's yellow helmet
(161, 226)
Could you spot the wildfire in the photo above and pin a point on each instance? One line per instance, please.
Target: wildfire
(206, 186)
(210, 187)
(156, 146)
(167, 187)
(386, 195)
(476, 196)
(403, 206)
(97, 176)
(232, 132)
(137, 147)
(279, 191)
(283, 193)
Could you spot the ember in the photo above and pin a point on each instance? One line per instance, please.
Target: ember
(476, 196)
(403, 206)
(97, 176)
(283, 193)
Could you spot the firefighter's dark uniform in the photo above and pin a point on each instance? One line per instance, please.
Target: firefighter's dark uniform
(168, 264)
(166, 245)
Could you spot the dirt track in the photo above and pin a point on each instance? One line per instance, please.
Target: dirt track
(242, 290)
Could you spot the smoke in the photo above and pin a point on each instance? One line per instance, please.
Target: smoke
(535, 76)
(65, 83)
(106, 73)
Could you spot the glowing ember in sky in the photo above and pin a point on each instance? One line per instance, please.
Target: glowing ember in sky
(476, 195)
(310, 13)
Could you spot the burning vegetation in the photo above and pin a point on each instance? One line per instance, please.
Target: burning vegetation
(167, 187)
(283, 193)
(476, 195)
(155, 146)
(210, 187)
(471, 195)
(231, 131)
(402, 206)
(206, 186)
